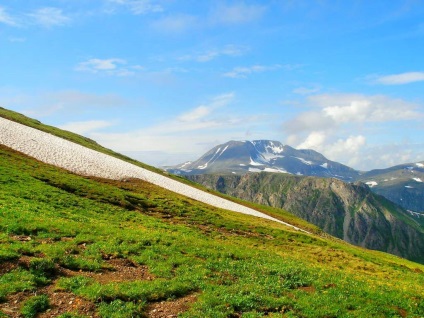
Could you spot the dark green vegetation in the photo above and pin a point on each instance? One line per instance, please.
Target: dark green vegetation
(63, 235)
(34, 305)
(348, 211)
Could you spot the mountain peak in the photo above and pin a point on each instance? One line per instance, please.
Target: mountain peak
(241, 157)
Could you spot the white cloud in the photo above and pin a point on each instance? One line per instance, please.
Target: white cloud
(314, 140)
(139, 6)
(237, 14)
(344, 108)
(49, 17)
(307, 90)
(17, 40)
(202, 111)
(342, 126)
(5, 18)
(187, 135)
(400, 79)
(112, 66)
(63, 103)
(229, 50)
(175, 24)
(84, 127)
(243, 72)
(347, 149)
(195, 114)
(95, 65)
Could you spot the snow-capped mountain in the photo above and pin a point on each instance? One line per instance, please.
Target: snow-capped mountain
(239, 157)
(402, 184)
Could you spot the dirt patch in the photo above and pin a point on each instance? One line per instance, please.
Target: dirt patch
(13, 304)
(60, 303)
(308, 289)
(121, 270)
(171, 308)
(6, 267)
(21, 238)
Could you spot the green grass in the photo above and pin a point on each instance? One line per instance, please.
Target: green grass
(237, 265)
(35, 305)
(86, 142)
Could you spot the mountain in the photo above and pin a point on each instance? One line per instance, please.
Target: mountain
(349, 211)
(239, 157)
(83, 246)
(402, 184)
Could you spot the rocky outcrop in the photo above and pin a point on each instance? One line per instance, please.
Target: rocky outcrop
(348, 211)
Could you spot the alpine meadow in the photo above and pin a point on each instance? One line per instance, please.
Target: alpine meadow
(211, 159)
(74, 246)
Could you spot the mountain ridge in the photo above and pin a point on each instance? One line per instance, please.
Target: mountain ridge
(349, 211)
(264, 155)
(402, 184)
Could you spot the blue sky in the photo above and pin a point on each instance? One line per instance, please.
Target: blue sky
(166, 80)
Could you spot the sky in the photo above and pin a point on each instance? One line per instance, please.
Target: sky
(164, 81)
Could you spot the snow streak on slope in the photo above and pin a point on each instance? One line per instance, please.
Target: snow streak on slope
(213, 159)
(78, 159)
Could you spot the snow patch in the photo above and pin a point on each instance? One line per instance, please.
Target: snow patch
(417, 179)
(255, 170)
(325, 165)
(203, 166)
(416, 214)
(270, 156)
(275, 149)
(217, 154)
(87, 162)
(409, 187)
(185, 164)
(371, 183)
(306, 162)
(254, 163)
(418, 164)
(274, 170)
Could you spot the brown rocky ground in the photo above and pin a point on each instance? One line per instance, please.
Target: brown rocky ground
(118, 270)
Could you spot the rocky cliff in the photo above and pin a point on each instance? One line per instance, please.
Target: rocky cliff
(348, 211)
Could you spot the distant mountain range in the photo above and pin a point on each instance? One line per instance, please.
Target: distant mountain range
(402, 184)
(350, 211)
(240, 157)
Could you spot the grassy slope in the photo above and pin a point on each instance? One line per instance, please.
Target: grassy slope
(236, 264)
(86, 142)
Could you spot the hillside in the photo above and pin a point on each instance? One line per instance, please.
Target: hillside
(73, 246)
(348, 211)
(402, 184)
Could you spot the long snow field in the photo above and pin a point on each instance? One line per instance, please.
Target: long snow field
(83, 161)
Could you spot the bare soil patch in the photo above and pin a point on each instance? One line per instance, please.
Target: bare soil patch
(121, 270)
(170, 308)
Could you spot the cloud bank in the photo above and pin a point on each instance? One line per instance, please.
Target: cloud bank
(345, 127)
